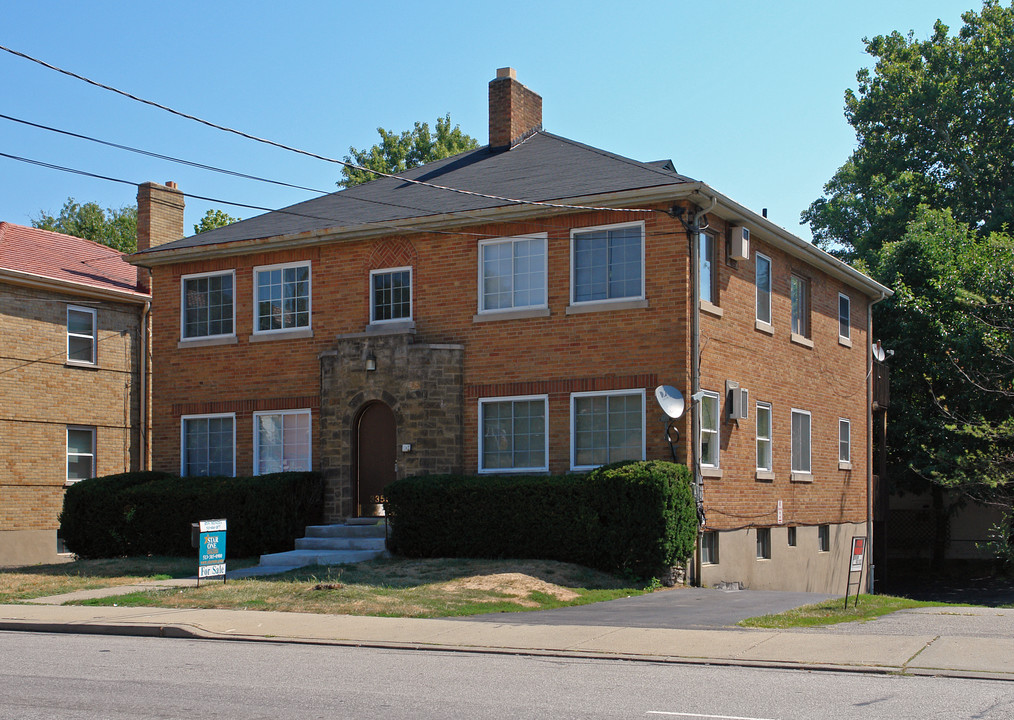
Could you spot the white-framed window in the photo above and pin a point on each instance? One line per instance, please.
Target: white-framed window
(512, 273)
(709, 548)
(208, 444)
(764, 455)
(391, 295)
(707, 446)
(607, 263)
(844, 317)
(281, 441)
(824, 538)
(80, 453)
(844, 440)
(513, 434)
(800, 441)
(762, 266)
(707, 267)
(82, 335)
(207, 306)
(606, 427)
(800, 297)
(763, 543)
(281, 297)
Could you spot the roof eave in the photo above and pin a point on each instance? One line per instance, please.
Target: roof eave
(40, 282)
(429, 223)
(730, 210)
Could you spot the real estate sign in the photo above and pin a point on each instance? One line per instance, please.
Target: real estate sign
(211, 549)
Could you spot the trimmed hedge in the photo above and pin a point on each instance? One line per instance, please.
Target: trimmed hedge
(142, 513)
(636, 518)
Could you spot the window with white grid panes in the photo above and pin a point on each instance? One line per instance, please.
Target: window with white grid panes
(208, 445)
(606, 428)
(513, 434)
(82, 335)
(208, 306)
(390, 295)
(607, 263)
(282, 299)
(512, 273)
(710, 409)
(281, 441)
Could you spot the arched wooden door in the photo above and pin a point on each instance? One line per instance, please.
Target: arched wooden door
(376, 460)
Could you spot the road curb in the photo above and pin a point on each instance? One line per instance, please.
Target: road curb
(190, 632)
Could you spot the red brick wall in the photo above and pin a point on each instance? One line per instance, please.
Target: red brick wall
(828, 380)
(556, 355)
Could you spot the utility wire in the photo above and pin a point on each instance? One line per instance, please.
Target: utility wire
(307, 153)
(397, 228)
(203, 166)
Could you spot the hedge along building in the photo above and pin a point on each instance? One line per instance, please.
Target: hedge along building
(511, 309)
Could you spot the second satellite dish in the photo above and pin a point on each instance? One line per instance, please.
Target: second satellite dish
(671, 400)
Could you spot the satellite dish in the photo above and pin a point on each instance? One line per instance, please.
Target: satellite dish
(878, 352)
(671, 400)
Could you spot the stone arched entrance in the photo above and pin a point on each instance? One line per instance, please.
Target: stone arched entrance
(375, 458)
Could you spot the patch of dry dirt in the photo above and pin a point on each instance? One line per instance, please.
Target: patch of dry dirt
(516, 585)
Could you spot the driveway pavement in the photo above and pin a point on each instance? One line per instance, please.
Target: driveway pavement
(678, 609)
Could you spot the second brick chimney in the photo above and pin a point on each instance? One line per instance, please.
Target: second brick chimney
(514, 111)
(159, 220)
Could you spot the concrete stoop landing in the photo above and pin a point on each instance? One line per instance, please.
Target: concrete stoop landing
(355, 540)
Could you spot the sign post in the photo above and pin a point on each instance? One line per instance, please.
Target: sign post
(211, 550)
(856, 566)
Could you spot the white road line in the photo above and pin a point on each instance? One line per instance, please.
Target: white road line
(698, 715)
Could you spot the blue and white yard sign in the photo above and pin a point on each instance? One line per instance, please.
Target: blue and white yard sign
(212, 549)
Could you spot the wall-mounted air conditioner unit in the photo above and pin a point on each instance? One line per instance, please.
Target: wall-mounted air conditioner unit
(739, 245)
(737, 400)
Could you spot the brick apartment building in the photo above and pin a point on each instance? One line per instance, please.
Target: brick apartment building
(72, 378)
(399, 327)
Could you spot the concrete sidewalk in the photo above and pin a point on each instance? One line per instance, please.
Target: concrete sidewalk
(860, 649)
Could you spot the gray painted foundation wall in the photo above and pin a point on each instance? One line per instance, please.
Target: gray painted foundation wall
(803, 568)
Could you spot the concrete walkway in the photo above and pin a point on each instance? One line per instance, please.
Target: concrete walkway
(958, 642)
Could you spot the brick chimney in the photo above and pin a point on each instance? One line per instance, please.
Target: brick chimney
(159, 220)
(514, 111)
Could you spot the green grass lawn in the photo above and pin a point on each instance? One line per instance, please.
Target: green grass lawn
(831, 612)
(398, 587)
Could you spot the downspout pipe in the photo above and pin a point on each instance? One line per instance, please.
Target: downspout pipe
(142, 424)
(869, 445)
(693, 232)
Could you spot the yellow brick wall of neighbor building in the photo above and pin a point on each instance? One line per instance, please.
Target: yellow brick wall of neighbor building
(41, 394)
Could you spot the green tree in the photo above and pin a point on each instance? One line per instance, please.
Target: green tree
(214, 219)
(951, 323)
(115, 228)
(412, 148)
(933, 124)
(923, 204)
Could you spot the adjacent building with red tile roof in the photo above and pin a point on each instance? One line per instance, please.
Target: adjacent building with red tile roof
(73, 378)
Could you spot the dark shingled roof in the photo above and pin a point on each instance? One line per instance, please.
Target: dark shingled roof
(545, 167)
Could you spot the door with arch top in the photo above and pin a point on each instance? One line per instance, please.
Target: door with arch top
(376, 459)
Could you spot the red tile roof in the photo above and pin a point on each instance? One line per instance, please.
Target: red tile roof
(66, 259)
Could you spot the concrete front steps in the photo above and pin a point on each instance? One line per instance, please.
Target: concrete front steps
(356, 540)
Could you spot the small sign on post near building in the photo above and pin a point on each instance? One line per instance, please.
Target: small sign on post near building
(211, 550)
(856, 566)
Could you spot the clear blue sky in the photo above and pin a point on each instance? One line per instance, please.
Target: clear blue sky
(744, 95)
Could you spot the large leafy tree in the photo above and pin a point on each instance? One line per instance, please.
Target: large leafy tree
(933, 119)
(923, 204)
(115, 228)
(396, 153)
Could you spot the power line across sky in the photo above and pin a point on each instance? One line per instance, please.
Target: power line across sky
(745, 96)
